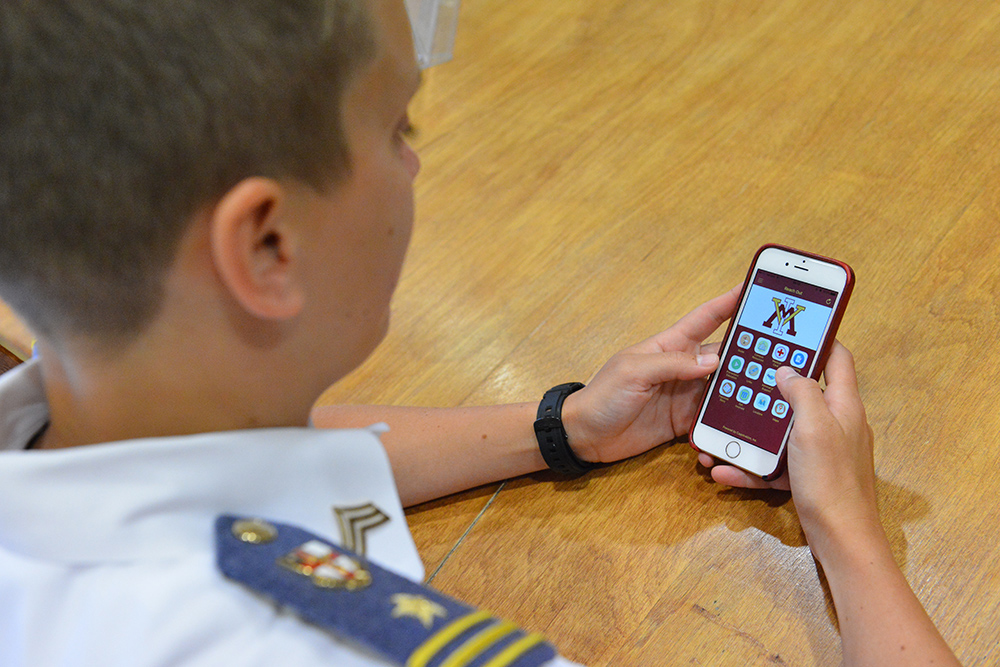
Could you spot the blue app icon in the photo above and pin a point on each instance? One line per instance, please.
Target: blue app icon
(727, 387)
(799, 359)
(763, 346)
(753, 370)
(744, 395)
(762, 401)
(770, 377)
(780, 352)
(745, 340)
(736, 364)
(780, 409)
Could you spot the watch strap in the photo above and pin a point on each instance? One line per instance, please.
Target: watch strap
(553, 442)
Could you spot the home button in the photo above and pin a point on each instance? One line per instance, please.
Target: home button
(733, 450)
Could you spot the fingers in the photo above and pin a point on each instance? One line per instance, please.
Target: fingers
(840, 371)
(699, 324)
(814, 417)
(840, 404)
(842, 394)
(696, 326)
(651, 370)
(734, 477)
(711, 347)
(737, 478)
(802, 393)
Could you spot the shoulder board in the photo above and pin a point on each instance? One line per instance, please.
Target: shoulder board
(405, 622)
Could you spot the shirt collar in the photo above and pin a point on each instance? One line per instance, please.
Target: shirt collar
(24, 409)
(157, 497)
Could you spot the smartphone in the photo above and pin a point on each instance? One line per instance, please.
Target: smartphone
(788, 314)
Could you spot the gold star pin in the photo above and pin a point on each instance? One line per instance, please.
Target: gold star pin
(417, 607)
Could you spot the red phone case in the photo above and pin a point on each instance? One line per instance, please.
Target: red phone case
(822, 354)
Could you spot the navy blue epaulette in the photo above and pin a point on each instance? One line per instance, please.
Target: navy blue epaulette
(405, 622)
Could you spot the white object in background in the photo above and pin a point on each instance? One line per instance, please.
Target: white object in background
(434, 24)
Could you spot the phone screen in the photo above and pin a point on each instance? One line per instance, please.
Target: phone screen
(782, 323)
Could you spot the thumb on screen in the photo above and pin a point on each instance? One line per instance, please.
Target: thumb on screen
(802, 393)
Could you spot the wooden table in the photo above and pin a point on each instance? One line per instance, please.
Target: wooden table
(593, 169)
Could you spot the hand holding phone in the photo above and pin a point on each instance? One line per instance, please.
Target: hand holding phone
(831, 475)
(791, 305)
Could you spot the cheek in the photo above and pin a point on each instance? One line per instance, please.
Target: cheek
(400, 200)
(401, 228)
(395, 211)
(410, 160)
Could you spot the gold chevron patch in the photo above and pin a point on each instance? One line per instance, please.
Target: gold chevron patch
(355, 522)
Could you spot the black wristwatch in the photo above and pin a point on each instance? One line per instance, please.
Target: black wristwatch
(552, 440)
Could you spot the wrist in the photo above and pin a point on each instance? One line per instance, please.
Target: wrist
(550, 432)
(844, 544)
(572, 416)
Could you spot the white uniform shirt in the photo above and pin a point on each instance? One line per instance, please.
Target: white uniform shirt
(107, 553)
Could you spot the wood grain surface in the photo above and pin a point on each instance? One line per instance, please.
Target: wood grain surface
(15, 340)
(594, 169)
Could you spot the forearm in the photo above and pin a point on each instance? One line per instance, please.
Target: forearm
(438, 451)
(881, 620)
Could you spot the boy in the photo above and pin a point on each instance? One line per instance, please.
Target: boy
(236, 174)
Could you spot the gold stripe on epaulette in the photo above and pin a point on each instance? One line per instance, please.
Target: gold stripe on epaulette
(433, 645)
(475, 645)
(515, 650)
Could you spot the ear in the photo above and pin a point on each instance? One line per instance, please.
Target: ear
(255, 251)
